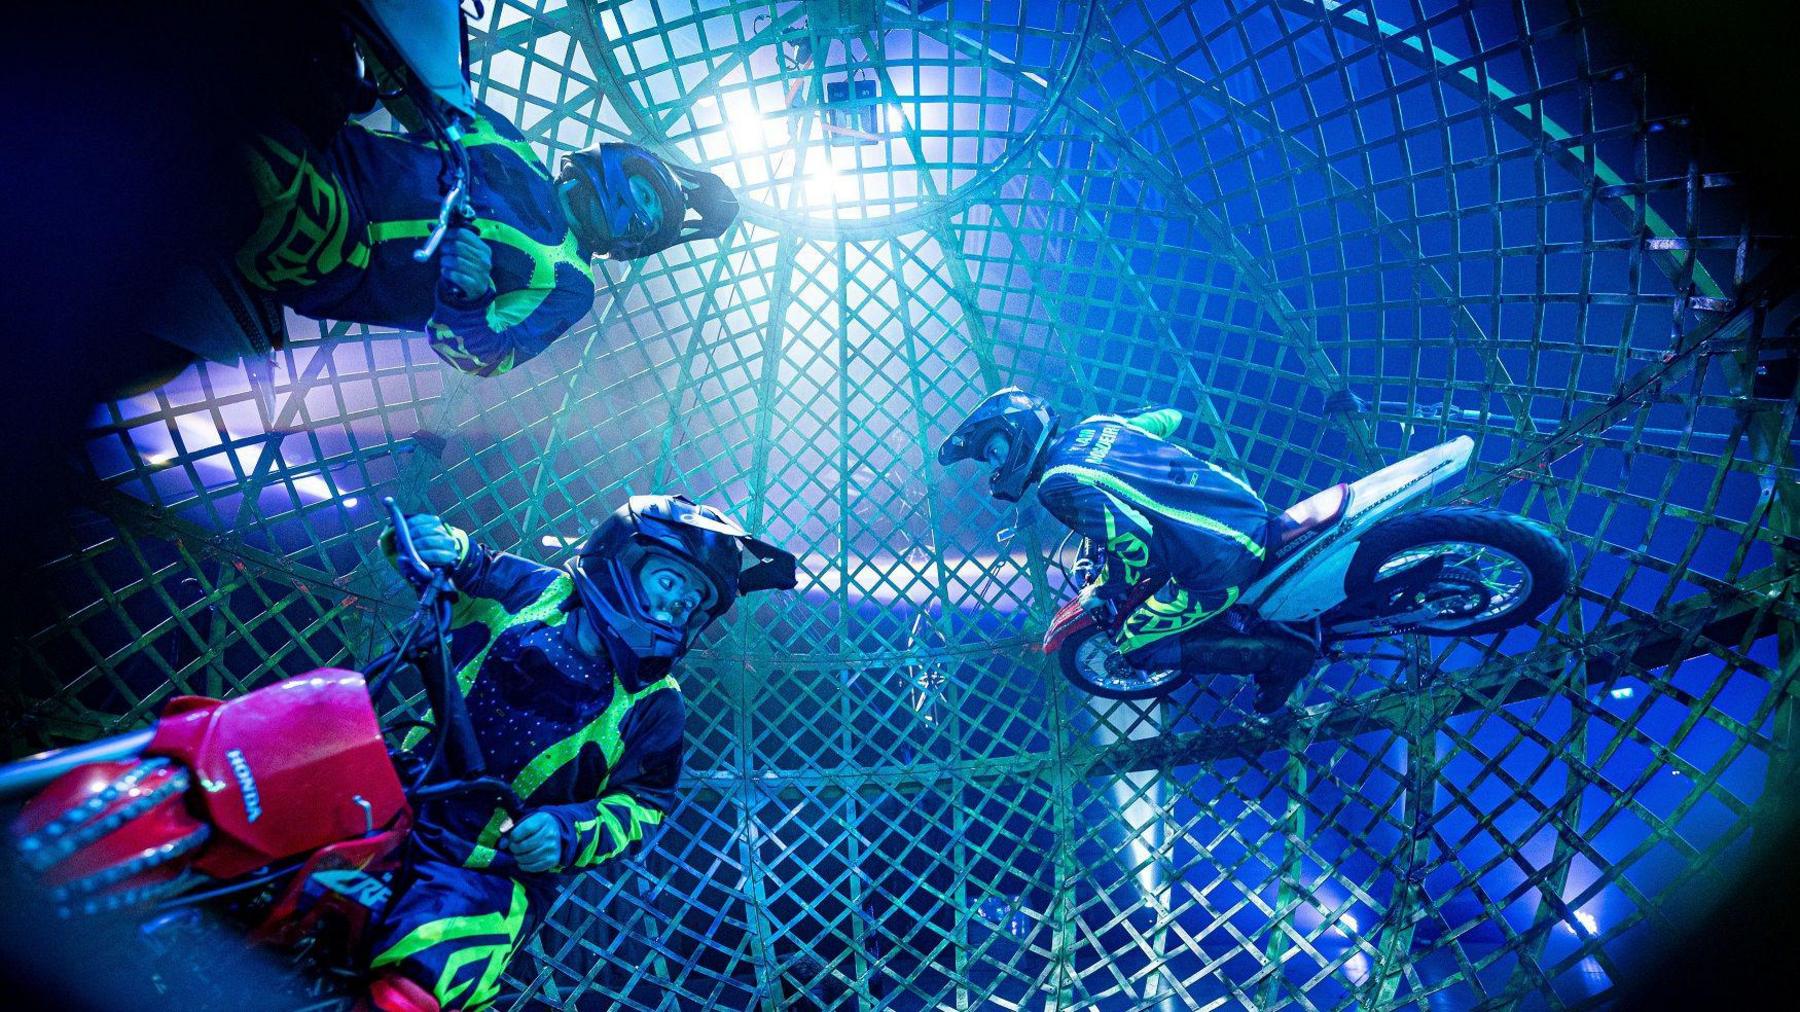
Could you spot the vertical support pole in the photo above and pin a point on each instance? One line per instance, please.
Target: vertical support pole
(1068, 870)
(1565, 816)
(852, 816)
(749, 836)
(1290, 890)
(1771, 429)
(1403, 911)
(846, 515)
(217, 628)
(1419, 736)
(952, 702)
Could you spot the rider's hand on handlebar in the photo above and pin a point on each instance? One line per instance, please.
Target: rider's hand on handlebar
(536, 842)
(436, 542)
(465, 266)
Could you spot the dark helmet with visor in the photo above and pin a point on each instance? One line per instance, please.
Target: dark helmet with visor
(628, 204)
(1028, 425)
(606, 570)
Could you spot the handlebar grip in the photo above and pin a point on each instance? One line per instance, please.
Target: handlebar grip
(412, 566)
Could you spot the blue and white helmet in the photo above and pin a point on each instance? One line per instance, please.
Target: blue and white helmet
(606, 569)
(1029, 426)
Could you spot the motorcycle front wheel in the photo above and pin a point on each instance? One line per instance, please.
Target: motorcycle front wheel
(1490, 570)
(1092, 663)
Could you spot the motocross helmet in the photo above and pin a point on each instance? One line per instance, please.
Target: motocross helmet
(1028, 424)
(627, 204)
(606, 570)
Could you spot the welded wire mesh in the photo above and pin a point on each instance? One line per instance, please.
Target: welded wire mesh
(1331, 233)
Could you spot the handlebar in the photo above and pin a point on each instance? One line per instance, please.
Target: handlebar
(458, 753)
(412, 566)
(452, 211)
(501, 791)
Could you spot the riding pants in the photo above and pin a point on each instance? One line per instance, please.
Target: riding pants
(453, 930)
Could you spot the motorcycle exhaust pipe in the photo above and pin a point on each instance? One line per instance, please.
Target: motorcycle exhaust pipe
(32, 773)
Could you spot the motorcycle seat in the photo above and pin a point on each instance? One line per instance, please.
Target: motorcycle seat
(1317, 511)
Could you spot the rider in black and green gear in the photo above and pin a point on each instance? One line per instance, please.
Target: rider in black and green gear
(1160, 514)
(341, 208)
(568, 684)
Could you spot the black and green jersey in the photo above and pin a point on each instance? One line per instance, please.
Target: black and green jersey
(598, 750)
(1159, 511)
(338, 226)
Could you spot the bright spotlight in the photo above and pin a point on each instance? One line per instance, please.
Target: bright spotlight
(821, 179)
(1586, 920)
(749, 128)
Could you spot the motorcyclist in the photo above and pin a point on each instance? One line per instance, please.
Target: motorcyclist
(566, 675)
(1159, 513)
(341, 207)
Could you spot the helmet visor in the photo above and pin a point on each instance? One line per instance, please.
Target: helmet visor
(664, 577)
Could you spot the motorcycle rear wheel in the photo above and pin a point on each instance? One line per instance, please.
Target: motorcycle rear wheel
(1092, 663)
(1497, 570)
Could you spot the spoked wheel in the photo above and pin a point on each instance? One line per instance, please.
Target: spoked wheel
(1092, 662)
(1452, 571)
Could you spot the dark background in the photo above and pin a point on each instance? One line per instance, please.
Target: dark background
(122, 121)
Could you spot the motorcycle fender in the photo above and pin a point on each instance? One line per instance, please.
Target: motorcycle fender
(1301, 587)
(1069, 620)
(1391, 487)
(279, 771)
(348, 880)
(1313, 591)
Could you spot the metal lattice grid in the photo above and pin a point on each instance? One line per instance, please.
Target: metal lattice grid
(1330, 233)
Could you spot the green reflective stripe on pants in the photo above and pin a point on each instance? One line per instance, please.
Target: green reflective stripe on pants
(303, 230)
(1115, 487)
(456, 929)
(1156, 619)
(1125, 545)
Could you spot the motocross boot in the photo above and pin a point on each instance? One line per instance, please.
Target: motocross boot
(1291, 660)
(391, 992)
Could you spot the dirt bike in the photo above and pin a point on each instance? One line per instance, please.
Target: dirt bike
(279, 814)
(1347, 564)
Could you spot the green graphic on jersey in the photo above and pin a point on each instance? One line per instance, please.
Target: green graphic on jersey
(304, 234)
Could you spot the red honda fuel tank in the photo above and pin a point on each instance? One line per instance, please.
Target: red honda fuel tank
(284, 769)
